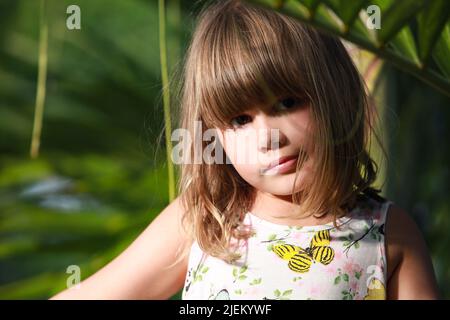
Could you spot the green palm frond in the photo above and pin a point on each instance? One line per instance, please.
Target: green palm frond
(414, 35)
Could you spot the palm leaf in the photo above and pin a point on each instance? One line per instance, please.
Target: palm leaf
(414, 34)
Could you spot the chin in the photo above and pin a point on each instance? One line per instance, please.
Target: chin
(282, 185)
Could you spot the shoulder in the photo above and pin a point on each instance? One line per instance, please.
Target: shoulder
(158, 253)
(409, 268)
(401, 229)
(172, 214)
(168, 225)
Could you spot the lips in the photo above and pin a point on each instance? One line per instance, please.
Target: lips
(281, 160)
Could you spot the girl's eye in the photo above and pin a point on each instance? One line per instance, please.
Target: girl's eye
(240, 120)
(289, 103)
(282, 105)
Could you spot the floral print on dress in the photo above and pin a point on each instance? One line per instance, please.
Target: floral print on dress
(312, 262)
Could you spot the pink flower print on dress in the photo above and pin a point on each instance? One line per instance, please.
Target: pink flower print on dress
(337, 254)
(348, 267)
(376, 215)
(298, 237)
(357, 268)
(253, 291)
(330, 269)
(314, 290)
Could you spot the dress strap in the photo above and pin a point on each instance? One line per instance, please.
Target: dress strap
(381, 215)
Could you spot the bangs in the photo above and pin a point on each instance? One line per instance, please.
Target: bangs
(249, 58)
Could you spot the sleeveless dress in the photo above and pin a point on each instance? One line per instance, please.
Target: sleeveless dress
(287, 262)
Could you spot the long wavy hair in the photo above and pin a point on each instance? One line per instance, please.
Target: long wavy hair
(242, 55)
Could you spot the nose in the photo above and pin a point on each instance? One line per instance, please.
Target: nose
(269, 135)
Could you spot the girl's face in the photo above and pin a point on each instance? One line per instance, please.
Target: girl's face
(261, 137)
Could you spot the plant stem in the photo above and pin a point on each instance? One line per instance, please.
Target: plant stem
(41, 83)
(166, 97)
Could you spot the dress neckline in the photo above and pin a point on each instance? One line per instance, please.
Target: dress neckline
(308, 228)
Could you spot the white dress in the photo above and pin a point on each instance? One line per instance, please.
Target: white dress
(311, 262)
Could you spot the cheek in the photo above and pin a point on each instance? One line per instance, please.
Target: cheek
(241, 149)
(299, 128)
(300, 120)
(243, 156)
(248, 172)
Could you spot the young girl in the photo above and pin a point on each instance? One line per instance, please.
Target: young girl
(302, 222)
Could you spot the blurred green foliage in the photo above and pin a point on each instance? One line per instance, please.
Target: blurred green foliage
(416, 123)
(70, 210)
(101, 176)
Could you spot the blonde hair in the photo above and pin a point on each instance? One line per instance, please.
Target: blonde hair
(242, 55)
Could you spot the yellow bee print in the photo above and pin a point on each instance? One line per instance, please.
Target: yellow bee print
(300, 260)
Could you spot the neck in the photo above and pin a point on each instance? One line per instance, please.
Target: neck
(282, 210)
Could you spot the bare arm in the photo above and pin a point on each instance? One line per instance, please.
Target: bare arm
(410, 270)
(141, 271)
